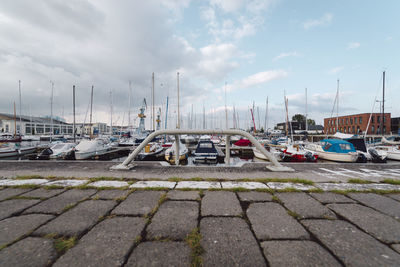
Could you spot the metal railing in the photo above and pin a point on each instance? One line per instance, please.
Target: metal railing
(276, 166)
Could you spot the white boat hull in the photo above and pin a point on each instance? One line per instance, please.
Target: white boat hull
(340, 157)
(89, 154)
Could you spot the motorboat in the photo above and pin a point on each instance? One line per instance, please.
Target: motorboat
(205, 151)
(89, 148)
(242, 142)
(152, 151)
(297, 153)
(15, 149)
(275, 152)
(334, 150)
(10, 138)
(170, 153)
(393, 152)
(187, 139)
(59, 151)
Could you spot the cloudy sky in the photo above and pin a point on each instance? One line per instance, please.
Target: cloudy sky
(258, 48)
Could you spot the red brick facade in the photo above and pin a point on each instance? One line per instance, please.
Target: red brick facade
(357, 124)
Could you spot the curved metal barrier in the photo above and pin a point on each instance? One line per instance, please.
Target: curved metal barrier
(127, 164)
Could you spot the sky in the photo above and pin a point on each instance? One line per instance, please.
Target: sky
(237, 52)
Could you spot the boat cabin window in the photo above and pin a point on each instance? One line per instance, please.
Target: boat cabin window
(58, 146)
(205, 145)
(345, 146)
(327, 146)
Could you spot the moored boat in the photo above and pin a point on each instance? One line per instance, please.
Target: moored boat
(205, 151)
(170, 153)
(334, 150)
(89, 148)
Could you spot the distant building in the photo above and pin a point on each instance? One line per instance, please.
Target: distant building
(395, 128)
(357, 124)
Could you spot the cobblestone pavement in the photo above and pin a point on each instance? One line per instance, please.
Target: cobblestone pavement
(171, 227)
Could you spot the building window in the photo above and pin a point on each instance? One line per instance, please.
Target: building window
(344, 129)
(384, 129)
(355, 120)
(347, 121)
(354, 129)
(378, 119)
(373, 129)
(372, 119)
(360, 120)
(351, 121)
(358, 130)
(7, 128)
(348, 129)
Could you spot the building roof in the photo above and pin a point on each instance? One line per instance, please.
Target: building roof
(4, 116)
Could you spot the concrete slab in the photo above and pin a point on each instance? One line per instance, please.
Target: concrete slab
(31, 251)
(341, 186)
(116, 184)
(305, 206)
(378, 202)
(381, 226)
(197, 185)
(396, 247)
(329, 197)
(111, 194)
(220, 203)
(174, 220)
(394, 196)
(247, 185)
(152, 184)
(229, 242)
(15, 206)
(12, 182)
(16, 227)
(352, 246)
(255, 196)
(139, 203)
(43, 193)
(271, 221)
(78, 219)
(297, 253)
(282, 186)
(57, 204)
(383, 186)
(12, 192)
(160, 254)
(67, 183)
(183, 195)
(106, 244)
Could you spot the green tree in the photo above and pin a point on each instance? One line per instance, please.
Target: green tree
(310, 122)
(298, 117)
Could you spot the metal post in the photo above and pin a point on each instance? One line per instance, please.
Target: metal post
(227, 149)
(177, 141)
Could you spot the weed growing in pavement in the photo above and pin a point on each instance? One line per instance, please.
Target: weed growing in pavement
(175, 179)
(51, 236)
(25, 177)
(50, 187)
(150, 189)
(391, 181)
(278, 180)
(264, 190)
(315, 190)
(63, 244)
(276, 199)
(69, 206)
(193, 240)
(359, 181)
(293, 214)
(288, 190)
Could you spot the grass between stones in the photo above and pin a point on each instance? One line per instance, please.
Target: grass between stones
(391, 181)
(25, 177)
(359, 181)
(63, 244)
(193, 240)
(293, 214)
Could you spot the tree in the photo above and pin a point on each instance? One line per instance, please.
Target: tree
(310, 122)
(299, 118)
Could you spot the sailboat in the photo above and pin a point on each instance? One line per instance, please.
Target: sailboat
(170, 153)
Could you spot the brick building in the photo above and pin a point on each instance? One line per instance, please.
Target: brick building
(357, 124)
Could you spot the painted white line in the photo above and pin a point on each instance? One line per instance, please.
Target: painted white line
(200, 185)
(68, 182)
(297, 186)
(12, 182)
(247, 185)
(336, 172)
(153, 184)
(109, 184)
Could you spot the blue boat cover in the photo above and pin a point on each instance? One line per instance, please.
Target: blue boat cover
(337, 146)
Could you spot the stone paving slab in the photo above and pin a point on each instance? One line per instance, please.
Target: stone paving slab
(14, 182)
(116, 184)
(396, 247)
(255, 196)
(174, 219)
(153, 184)
(341, 186)
(378, 202)
(350, 245)
(220, 203)
(297, 253)
(31, 251)
(305, 206)
(15, 206)
(394, 196)
(329, 197)
(197, 185)
(297, 186)
(78, 219)
(247, 185)
(67, 183)
(11, 192)
(381, 226)
(15, 227)
(106, 244)
(377, 186)
(271, 221)
(111, 194)
(183, 195)
(57, 204)
(160, 254)
(229, 242)
(43, 193)
(139, 203)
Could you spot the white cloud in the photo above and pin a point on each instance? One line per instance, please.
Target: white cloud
(335, 70)
(286, 54)
(255, 80)
(326, 19)
(228, 6)
(353, 45)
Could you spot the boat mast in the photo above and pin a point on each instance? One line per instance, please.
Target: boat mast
(266, 115)
(15, 122)
(306, 112)
(166, 114)
(226, 111)
(152, 103)
(111, 113)
(91, 109)
(20, 107)
(129, 105)
(51, 110)
(73, 111)
(337, 107)
(178, 125)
